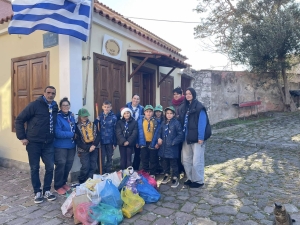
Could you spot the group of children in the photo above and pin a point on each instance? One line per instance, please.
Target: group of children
(157, 134)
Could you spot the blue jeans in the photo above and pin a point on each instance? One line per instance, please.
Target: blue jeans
(193, 161)
(35, 152)
(88, 165)
(63, 160)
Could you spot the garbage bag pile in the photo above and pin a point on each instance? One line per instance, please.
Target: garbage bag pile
(107, 198)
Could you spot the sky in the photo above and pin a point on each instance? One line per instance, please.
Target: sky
(179, 34)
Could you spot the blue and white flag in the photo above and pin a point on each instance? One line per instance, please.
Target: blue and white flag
(69, 17)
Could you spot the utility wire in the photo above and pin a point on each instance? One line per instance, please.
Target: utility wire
(171, 21)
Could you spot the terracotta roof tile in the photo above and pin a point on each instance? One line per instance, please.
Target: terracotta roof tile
(6, 12)
(115, 17)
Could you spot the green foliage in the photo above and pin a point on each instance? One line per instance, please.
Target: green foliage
(263, 34)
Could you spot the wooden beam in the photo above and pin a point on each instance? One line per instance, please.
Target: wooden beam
(166, 76)
(137, 69)
(128, 66)
(157, 75)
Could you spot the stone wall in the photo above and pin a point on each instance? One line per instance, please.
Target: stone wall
(219, 90)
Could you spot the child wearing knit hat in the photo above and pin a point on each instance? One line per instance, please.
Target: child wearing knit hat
(126, 133)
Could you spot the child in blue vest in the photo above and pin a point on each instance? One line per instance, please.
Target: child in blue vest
(170, 136)
(107, 120)
(147, 140)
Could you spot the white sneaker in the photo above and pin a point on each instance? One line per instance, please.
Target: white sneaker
(166, 179)
(49, 196)
(175, 182)
(38, 198)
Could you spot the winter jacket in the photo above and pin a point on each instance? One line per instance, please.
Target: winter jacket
(80, 141)
(130, 135)
(37, 116)
(169, 147)
(65, 131)
(193, 126)
(141, 108)
(141, 136)
(108, 128)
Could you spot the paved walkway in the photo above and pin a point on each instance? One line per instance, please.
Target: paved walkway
(248, 168)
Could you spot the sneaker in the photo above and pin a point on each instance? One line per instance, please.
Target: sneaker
(166, 179)
(195, 185)
(187, 182)
(175, 182)
(61, 191)
(38, 198)
(153, 176)
(49, 196)
(66, 187)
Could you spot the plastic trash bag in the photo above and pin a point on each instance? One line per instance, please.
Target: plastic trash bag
(146, 191)
(106, 214)
(131, 183)
(133, 203)
(150, 180)
(123, 182)
(110, 195)
(82, 214)
(67, 207)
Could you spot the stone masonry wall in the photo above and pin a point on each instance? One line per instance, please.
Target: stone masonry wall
(219, 90)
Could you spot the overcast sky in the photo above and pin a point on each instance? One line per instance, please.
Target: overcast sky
(178, 34)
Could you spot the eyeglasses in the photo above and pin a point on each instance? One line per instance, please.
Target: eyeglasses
(65, 105)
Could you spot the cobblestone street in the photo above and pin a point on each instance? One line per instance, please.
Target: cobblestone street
(248, 168)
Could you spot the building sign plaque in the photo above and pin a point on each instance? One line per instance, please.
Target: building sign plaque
(111, 47)
(50, 39)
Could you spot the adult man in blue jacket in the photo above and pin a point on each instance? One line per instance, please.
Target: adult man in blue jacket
(40, 116)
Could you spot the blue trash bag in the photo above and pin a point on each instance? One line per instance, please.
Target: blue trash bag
(106, 214)
(146, 191)
(110, 195)
(123, 182)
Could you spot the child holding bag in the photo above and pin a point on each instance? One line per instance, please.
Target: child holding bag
(170, 135)
(126, 133)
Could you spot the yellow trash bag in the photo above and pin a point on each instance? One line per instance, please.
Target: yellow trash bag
(132, 203)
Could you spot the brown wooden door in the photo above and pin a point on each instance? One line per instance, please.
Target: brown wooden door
(30, 76)
(109, 82)
(185, 83)
(143, 84)
(137, 87)
(166, 88)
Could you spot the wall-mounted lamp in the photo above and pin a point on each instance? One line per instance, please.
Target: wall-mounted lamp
(86, 58)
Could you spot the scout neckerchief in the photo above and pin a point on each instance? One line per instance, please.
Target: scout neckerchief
(134, 111)
(103, 122)
(148, 129)
(68, 117)
(126, 127)
(167, 129)
(50, 107)
(186, 120)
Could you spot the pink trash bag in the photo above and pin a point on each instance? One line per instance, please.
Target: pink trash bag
(81, 214)
(150, 180)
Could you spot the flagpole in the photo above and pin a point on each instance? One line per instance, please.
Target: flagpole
(88, 53)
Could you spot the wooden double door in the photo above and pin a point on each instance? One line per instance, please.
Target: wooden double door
(109, 82)
(30, 76)
(144, 86)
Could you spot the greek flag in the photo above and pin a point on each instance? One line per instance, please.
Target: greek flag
(69, 17)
